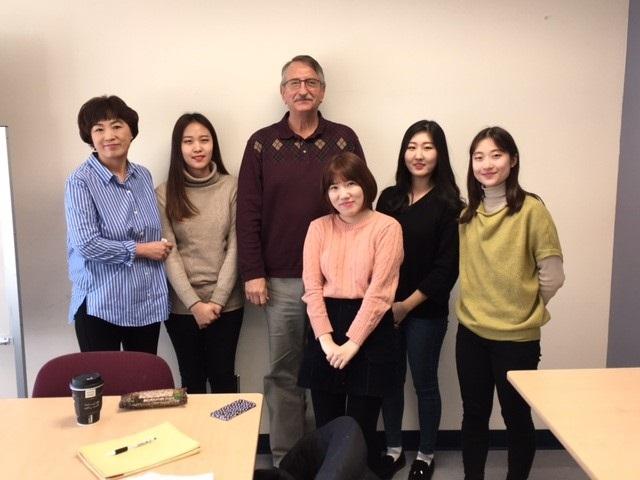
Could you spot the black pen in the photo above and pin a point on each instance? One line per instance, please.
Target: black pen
(126, 448)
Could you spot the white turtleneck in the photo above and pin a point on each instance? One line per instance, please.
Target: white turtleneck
(494, 198)
(550, 269)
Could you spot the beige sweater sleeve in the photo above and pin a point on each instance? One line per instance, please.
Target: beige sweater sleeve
(228, 276)
(550, 276)
(174, 266)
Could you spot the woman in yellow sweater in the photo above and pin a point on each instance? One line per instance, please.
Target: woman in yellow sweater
(510, 267)
(351, 263)
(198, 212)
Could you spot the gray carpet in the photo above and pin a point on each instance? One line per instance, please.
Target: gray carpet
(548, 465)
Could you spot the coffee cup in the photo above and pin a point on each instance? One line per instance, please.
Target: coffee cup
(87, 397)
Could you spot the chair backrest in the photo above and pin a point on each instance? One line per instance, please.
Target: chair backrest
(122, 372)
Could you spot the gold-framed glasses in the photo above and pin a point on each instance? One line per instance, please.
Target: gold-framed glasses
(296, 83)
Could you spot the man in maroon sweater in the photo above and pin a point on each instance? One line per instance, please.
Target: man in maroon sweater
(279, 193)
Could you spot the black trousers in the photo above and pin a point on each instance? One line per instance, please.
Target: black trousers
(208, 354)
(482, 365)
(95, 334)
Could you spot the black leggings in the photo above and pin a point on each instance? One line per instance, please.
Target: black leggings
(482, 365)
(95, 334)
(207, 354)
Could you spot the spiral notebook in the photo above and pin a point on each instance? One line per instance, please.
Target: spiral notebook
(140, 451)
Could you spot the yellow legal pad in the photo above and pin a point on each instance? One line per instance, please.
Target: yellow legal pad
(140, 451)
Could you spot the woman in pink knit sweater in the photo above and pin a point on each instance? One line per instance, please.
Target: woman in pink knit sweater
(351, 264)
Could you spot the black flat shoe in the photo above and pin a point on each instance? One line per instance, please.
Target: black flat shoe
(421, 470)
(387, 467)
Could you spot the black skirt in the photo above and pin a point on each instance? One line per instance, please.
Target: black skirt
(372, 371)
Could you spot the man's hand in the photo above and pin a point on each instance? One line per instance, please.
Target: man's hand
(256, 291)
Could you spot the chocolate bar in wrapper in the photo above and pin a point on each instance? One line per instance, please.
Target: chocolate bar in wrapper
(168, 397)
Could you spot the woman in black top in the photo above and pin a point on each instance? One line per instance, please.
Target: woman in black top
(426, 202)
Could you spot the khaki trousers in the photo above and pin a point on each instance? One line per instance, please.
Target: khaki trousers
(285, 400)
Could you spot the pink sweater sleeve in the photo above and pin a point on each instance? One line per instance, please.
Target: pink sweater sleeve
(314, 280)
(387, 258)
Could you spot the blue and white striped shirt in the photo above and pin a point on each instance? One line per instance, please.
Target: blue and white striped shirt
(105, 220)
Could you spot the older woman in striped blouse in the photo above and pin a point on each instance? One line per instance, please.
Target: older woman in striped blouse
(114, 246)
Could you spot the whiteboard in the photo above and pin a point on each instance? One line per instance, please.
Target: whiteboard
(12, 364)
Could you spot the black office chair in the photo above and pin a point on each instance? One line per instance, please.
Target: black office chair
(336, 451)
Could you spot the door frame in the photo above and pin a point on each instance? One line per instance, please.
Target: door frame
(9, 250)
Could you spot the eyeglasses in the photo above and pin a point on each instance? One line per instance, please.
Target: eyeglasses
(296, 83)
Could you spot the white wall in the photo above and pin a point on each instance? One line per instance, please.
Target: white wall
(550, 72)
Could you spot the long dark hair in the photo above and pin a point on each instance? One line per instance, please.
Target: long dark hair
(443, 179)
(178, 205)
(515, 194)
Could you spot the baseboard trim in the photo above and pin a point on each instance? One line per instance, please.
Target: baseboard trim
(449, 440)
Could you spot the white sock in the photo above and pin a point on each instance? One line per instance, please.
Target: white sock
(425, 457)
(394, 452)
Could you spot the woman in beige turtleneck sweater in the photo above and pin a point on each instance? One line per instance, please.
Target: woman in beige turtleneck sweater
(198, 211)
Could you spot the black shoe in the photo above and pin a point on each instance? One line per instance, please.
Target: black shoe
(387, 467)
(421, 470)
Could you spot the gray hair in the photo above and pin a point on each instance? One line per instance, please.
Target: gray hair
(309, 61)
